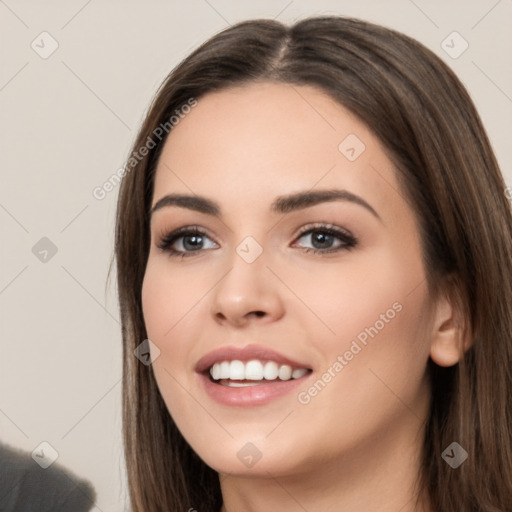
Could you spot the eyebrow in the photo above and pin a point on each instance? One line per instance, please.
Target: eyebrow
(282, 204)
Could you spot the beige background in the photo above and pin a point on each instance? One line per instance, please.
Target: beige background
(67, 123)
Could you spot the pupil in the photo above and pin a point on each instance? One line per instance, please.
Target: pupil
(322, 238)
(196, 241)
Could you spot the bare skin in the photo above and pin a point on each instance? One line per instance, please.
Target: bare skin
(354, 444)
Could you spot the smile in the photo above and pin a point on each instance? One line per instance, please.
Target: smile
(249, 376)
(252, 373)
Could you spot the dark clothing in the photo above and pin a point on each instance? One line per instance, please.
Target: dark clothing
(26, 487)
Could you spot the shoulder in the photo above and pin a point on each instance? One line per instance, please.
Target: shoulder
(25, 486)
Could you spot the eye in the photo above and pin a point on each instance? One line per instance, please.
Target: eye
(185, 241)
(192, 240)
(327, 239)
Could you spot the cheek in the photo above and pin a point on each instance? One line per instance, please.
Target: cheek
(167, 307)
(169, 299)
(175, 309)
(171, 302)
(375, 332)
(375, 364)
(382, 290)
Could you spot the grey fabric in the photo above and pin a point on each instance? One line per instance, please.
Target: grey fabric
(26, 487)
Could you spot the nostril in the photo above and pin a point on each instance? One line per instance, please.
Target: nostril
(222, 317)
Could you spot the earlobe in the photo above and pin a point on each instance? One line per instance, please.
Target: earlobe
(445, 349)
(450, 338)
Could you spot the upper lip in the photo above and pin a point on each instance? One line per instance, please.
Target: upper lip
(247, 353)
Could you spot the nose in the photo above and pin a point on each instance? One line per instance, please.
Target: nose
(247, 293)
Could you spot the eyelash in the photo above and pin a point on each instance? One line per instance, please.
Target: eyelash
(348, 241)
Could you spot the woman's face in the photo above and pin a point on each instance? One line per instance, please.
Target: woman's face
(307, 265)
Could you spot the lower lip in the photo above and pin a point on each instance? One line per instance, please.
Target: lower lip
(248, 396)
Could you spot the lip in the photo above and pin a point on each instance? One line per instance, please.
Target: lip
(250, 396)
(260, 394)
(244, 354)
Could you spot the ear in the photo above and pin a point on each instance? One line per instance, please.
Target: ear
(450, 335)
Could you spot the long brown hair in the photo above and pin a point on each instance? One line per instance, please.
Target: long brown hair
(447, 171)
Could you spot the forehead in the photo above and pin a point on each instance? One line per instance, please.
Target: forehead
(266, 139)
(266, 116)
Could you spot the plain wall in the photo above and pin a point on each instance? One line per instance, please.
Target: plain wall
(67, 123)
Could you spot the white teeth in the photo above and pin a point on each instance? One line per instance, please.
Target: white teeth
(270, 371)
(285, 372)
(224, 370)
(234, 384)
(298, 373)
(215, 372)
(236, 370)
(254, 370)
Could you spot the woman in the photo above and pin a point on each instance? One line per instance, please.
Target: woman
(311, 235)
